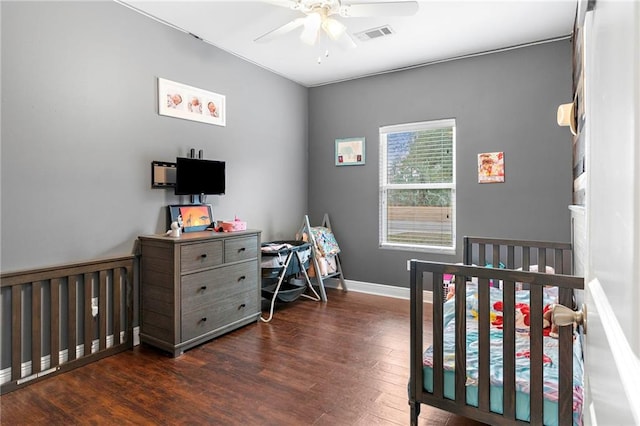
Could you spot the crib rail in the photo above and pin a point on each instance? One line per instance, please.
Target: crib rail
(55, 319)
(536, 281)
(514, 254)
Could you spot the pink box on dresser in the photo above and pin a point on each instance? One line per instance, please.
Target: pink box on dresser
(235, 225)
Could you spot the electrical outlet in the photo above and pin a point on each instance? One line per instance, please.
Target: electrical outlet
(94, 306)
(136, 336)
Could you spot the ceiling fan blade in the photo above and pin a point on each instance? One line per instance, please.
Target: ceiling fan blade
(392, 8)
(289, 4)
(283, 3)
(346, 41)
(288, 27)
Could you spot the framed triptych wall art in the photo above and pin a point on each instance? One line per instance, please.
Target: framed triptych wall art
(181, 101)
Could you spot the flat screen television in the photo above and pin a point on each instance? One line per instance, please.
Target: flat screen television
(196, 176)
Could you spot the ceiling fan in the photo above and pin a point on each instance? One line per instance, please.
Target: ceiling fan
(319, 18)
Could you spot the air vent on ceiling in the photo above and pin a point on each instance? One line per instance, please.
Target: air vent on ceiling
(374, 33)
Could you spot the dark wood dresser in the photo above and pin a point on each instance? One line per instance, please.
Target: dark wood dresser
(197, 286)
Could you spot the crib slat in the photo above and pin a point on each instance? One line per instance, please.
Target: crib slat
(496, 256)
(542, 260)
(438, 336)
(461, 344)
(482, 254)
(559, 261)
(72, 318)
(565, 401)
(483, 344)
(55, 322)
(526, 259)
(102, 310)
(117, 301)
(88, 317)
(467, 253)
(508, 351)
(510, 257)
(16, 332)
(565, 297)
(36, 327)
(127, 295)
(565, 380)
(416, 341)
(535, 351)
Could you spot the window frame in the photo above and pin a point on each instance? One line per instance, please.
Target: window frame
(384, 186)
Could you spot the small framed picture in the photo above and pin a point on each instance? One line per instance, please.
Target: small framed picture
(350, 152)
(491, 167)
(191, 217)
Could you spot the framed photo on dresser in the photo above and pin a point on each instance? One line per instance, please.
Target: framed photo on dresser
(191, 217)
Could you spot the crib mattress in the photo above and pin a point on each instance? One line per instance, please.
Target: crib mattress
(550, 416)
(550, 357)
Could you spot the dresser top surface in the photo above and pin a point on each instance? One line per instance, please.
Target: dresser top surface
(198, 236)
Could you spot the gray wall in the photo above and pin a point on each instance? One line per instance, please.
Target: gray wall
(501, 102)
(80, 128)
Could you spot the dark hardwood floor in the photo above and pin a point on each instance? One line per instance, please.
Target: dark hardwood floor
(344, 362)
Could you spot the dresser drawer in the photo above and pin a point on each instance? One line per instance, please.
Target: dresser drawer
(207, 287)
(200, 255)
(236, 249)
(221, 313)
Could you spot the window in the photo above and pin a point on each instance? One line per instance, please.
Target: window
(418, 186)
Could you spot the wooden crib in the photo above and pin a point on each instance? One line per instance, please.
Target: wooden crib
(477, 396)
(58, 318)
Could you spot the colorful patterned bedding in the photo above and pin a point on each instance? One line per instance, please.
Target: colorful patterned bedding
(325, 241)
(550, 356)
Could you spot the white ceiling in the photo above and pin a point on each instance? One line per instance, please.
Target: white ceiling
(440, 30)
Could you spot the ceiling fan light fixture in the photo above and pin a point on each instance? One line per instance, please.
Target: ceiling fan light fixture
(312, 24)
(334, 28)
(318, 20)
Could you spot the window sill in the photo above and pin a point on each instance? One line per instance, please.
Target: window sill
(422, 249)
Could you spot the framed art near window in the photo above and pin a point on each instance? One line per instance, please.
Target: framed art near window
(491, 167)
(350, 152)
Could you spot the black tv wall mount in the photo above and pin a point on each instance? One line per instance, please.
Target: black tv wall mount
(163, 174)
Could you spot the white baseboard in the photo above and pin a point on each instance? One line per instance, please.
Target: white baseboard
(377, 289)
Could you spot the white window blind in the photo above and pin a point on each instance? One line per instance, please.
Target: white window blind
(417, 186)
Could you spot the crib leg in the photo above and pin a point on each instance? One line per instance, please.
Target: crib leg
(415, 412)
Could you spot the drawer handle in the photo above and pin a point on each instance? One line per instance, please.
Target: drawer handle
(203, 288)
(242, 278)
(204, 319)
(203, 255)
(240, 250)
(242, 306)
